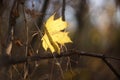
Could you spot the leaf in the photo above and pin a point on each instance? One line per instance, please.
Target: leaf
(54, 36)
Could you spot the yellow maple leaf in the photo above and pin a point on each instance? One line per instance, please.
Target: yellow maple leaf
(54, 36)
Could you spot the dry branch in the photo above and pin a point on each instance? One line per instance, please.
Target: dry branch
(13, 61)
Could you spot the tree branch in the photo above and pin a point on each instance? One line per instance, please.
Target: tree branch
(13, 61)
(43, 11)
(12, 21)
(111, 67)
(63, 9)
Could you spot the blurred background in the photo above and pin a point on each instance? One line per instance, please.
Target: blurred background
(94, 26)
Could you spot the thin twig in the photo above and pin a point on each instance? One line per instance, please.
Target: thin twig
(12, 22)
(63, 9)
(43, 11)
(26, 27)
(111, 67)
(26, 66)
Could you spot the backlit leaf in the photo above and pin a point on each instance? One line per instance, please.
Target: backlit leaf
(54, 36)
